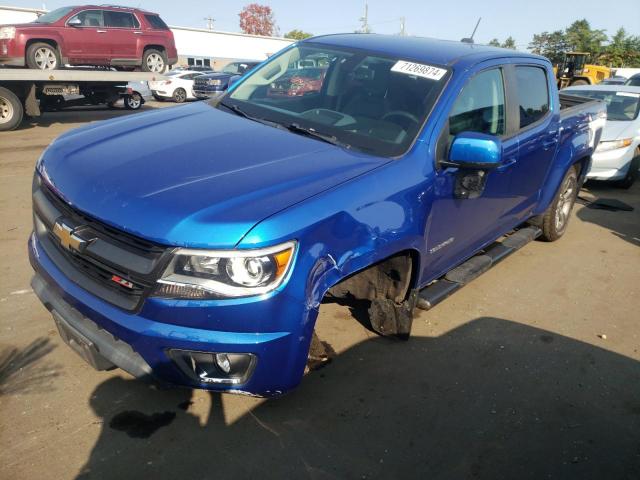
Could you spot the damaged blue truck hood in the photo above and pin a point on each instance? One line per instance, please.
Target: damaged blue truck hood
(192, 176)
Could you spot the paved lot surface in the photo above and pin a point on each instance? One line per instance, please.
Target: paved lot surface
(529, 372)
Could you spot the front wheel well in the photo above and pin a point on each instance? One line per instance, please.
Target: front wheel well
(49, 41)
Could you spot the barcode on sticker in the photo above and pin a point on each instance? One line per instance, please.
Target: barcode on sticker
(628, 94)
(419, 70)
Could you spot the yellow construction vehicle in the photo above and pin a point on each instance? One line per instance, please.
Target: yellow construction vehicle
(574, 70)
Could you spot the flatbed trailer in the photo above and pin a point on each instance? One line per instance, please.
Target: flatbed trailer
(30, 92)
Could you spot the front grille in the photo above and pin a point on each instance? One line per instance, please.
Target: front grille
(114, 265)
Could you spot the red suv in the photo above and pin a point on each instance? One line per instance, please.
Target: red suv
(91, 35)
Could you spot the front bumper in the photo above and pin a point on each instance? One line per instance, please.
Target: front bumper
(205, 93)
(139, 342)
(11, 53)
(611, 165)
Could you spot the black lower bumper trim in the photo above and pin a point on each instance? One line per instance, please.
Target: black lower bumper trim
(84, 335)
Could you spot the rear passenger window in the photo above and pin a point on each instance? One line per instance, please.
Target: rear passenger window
(120, 20)
(533, 94)
(480, 106)
(156, 22)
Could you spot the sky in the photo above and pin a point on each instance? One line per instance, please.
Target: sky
(450, 20)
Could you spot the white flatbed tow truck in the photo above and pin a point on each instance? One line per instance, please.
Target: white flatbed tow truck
(30, 92)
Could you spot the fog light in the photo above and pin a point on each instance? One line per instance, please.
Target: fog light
(220, 368)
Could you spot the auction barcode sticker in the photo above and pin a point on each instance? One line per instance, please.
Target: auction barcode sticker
(419, 70)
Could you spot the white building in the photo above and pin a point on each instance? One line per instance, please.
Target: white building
(195, 46)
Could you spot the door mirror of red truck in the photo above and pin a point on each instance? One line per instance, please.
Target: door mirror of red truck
(75, 22)
(474, 150)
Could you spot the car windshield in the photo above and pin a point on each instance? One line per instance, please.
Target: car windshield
(633, 81)
(363, 100)
(54, 15)
(235, 68)
(621, 106)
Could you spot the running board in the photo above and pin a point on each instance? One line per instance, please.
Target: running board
(457, 278)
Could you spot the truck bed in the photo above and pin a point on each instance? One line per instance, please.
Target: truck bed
(570, 104)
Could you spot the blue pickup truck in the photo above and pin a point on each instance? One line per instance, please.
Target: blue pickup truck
(201, 259)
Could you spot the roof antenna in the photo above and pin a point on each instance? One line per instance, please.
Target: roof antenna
(470, 39)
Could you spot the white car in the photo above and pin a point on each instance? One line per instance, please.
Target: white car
(178, 86)
(617, 157)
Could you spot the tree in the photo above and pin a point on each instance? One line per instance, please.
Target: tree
(508, 43)
(623, 50)
(297, 35)
(581, 38)
(257, 19)
(551, 45)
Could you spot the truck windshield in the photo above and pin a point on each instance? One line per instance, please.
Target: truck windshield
(357, 99)
(54, 15)
(621, 106)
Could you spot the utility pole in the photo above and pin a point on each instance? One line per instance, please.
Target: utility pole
(210, 21)
(403, 31)
(365, 20)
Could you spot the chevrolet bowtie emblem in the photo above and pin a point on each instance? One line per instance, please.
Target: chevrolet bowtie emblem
(68, 239)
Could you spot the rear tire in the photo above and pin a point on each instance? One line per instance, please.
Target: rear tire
(42, 56)
(11, 111)
(154, 61)
(133, 101)
(628, 181)
(579, 82)
(555, 219)
(179, 95)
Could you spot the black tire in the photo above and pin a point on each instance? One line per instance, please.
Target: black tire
(158, 98)
(628, 181)
(42, 56)
(179, 95)
(133, 101)
(579, 82)
(154, 61)
(555, 219)
(11, 110)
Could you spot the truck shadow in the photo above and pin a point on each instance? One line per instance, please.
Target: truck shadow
(491, 399)
(623, 224)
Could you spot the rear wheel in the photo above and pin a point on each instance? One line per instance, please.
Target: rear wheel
(42, 56)
(579, 82)
(154, 61)
(133, 101)
(179, 95)
(555, 220)
(11, 111)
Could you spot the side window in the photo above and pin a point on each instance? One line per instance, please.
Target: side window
(90, 18)
(480, 107)
(156, 22)
(120, 20)
(533, 94)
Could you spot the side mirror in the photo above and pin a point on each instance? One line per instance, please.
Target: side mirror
(75, 22)
(474, 150)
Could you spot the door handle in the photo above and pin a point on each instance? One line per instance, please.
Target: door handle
(547, 144)
(101, 31)
(506, 164)
(138, 33)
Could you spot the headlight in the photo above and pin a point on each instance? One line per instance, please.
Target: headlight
(613, 144)
(215, 83)
(196, 273)
(7, 32)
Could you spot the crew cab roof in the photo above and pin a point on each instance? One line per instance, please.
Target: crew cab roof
(429, 50)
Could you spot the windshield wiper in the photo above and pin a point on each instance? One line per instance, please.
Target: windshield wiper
(310, 132)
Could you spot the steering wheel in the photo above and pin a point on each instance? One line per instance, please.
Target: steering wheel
(401, 114)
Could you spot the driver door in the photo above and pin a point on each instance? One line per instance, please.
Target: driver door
(460, 226)
(88, 42)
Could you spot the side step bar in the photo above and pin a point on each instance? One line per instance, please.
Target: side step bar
(457, 278)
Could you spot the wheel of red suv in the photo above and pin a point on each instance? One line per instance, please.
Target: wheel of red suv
(555, 220)
(154, 61)
(11, 110)
(179, 95)
(133, 101)
(42, 56)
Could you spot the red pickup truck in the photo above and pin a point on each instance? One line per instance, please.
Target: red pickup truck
(90, 35)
